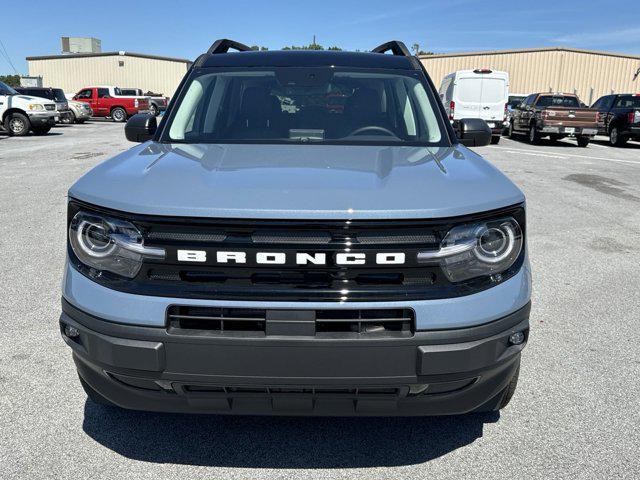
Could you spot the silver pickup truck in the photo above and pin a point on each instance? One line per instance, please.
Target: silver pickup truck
(157, 102)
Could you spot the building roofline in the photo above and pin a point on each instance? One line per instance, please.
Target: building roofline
(529, 50)
(108, 54)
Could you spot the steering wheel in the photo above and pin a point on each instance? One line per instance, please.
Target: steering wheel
(372, 127)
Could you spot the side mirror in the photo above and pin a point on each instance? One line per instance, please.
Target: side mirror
(473, 132)
(141, 127)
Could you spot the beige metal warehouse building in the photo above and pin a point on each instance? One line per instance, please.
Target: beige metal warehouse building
(588, 73)
(123, 69)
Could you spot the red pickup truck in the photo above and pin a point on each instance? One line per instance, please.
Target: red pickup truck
(105, 102)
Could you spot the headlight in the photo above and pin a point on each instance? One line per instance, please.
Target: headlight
(35, 107)
(106, 243)
(477, 249)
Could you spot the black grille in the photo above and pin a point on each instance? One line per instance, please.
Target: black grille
(291, 281)
(178, 236)
(49, 107)
(328, 323)
(295, 238)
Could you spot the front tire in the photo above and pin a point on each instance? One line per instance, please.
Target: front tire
(153, 110)
(616, 139)
(495, 139)
(583, 141)
(17, 124)
(119, 115)
(510, 132)
(68, 119)
(534, 138)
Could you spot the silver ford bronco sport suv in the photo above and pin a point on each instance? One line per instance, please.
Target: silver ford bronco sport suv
(303, 233)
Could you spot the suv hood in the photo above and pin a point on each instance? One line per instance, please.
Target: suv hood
(20, 99)
(297, 182)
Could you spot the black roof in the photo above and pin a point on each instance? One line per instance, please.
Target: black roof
(17, 89)
(307, 58)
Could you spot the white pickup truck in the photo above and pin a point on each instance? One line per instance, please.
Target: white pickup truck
(23, 113)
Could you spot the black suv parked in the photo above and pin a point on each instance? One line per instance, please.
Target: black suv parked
(619, 117)
(55, 94)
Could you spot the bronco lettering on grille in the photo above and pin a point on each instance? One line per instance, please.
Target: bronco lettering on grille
(280, 258)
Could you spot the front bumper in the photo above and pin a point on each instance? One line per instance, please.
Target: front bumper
(438, 372)
(82, 113)
(64, 115)
(43, 119)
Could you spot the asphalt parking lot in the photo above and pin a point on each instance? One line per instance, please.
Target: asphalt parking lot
(575, 414)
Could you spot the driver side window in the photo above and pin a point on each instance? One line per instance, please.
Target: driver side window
(85, 94)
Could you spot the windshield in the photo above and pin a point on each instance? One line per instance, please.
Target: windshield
(6, 89)
(558, 101)
(59, 95)
(319, 105)
(515, 100)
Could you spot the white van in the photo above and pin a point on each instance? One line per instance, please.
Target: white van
(480, 93)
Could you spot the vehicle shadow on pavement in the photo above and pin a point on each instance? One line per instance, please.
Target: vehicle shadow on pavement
(280, 442)
(5, 136)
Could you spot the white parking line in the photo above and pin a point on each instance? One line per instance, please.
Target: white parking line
(564, 155)
(535, 154)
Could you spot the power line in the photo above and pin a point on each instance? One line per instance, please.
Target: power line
(7, 58)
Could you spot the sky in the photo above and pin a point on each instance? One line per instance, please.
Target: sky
(186, 28)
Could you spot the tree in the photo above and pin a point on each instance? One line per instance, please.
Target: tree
(11, 80)
(258, 48)
(311, 46)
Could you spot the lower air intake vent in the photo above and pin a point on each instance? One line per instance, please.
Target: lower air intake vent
(216, 320)
(371, 323)
(332, 323)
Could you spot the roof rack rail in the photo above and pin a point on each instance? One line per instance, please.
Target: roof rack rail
(223, 45)
(394, 46)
